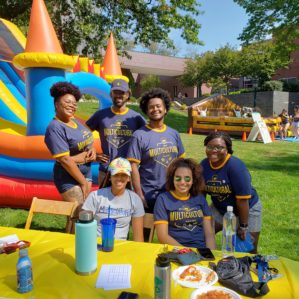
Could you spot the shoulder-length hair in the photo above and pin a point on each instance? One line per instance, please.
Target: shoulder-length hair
(197, 177)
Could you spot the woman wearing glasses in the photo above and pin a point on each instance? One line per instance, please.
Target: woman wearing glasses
(229, 184)
(182, 215)
(70, 143)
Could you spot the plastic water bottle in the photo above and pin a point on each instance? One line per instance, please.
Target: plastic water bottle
(229, 232)
(162, 278)
(24, 272)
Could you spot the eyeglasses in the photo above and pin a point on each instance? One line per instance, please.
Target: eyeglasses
(187, 179)
(69, 103)
(217, 148)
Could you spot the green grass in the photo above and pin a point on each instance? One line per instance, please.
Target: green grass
(274, 170)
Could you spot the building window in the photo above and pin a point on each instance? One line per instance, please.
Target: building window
(289, 80)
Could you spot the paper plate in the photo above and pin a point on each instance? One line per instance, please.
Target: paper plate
(207, 277)
(204, 290)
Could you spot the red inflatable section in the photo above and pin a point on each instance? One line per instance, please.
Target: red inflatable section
(18, 193)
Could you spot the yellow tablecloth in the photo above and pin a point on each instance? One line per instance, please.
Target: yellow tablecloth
(52, 256)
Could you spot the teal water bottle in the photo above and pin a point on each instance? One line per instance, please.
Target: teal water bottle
(86, 243)
(24, 272)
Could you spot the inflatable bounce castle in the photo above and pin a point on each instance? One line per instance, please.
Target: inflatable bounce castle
(27, 71)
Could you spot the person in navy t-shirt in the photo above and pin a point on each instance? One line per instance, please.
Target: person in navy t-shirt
(153, 147)
(182, 215)
(70, 143)
(115, 126)
(229, 184)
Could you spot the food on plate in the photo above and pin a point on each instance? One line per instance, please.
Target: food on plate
(191, 274)
(210, 277)
(214, 295)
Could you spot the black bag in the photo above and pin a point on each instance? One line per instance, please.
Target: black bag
(234, 273)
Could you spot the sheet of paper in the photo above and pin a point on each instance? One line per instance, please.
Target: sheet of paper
(114, 277)
(9, 239)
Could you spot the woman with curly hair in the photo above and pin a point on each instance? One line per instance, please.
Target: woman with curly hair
(153, 147)
(70, 143)
(228, 182)
(182, 215)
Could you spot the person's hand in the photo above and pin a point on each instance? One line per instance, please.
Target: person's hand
(242, 233)
(91, 155)
(85, 189)
(103, 158)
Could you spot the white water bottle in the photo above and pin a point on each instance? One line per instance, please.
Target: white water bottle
(229, 232)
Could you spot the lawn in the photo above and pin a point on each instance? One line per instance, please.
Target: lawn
(274, 172)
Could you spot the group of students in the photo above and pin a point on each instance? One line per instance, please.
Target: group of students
(149, 157)
(285, 123)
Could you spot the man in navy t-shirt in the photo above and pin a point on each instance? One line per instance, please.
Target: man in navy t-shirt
(153, 147)
(115, 126)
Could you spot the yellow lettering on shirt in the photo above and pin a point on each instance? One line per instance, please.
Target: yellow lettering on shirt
(179, 215)
(117, 132)
(153, 152)
(83, 144)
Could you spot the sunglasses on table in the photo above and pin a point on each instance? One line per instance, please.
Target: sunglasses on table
(187, 179)
(217, 148)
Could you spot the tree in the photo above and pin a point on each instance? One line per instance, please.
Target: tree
(260, 61)
(225, 65)
(83, 26)
(197, 70)
(160, 49)
(214, 68)
(272, 18)
(149, 81)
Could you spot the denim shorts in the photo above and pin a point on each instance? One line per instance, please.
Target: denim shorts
(64, 181)
(254, 219)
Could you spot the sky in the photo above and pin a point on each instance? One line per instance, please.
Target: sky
(221, 23)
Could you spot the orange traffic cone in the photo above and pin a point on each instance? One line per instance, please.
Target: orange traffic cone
(244, 137)
(273, 136)
(190, 131)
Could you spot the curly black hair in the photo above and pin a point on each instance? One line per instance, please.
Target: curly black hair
(155, 93)
(60, 89)
(224, 136)
(197, 177)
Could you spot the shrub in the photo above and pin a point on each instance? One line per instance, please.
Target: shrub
(272, 85)
(133, 100)
(149, 82)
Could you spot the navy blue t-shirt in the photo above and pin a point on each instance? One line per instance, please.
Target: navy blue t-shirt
(227, 183)
(184, 217)
(154, 150)
(62, 139)
(115, 129)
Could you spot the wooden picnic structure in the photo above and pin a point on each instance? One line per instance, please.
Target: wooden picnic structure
(221, 115)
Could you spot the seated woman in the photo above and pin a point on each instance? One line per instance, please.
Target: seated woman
(124, 204)
(229, 183)
(182, 216)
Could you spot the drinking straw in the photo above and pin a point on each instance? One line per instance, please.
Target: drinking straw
(108, 212)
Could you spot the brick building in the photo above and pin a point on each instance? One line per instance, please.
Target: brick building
(168, 68)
